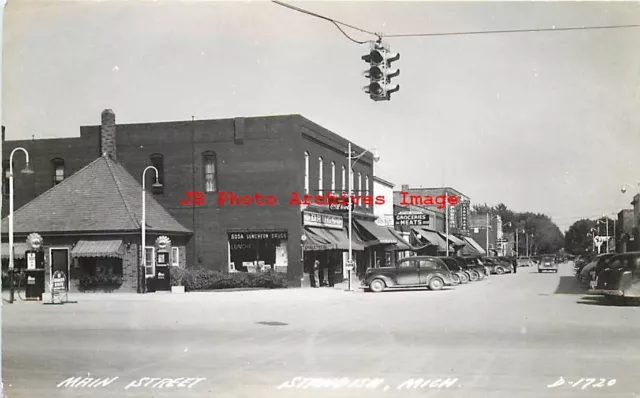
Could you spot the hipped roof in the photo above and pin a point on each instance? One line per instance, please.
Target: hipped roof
(101, 197)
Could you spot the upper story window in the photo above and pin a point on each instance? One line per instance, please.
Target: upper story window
(333, 177)
(366, 188)
(359, 184)
(5, 175)
(320, 174)
(344, 179)
(306, 173)
(157, 161)
(58, 170)
(210, 169)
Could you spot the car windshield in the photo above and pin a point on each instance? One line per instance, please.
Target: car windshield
(451, 264)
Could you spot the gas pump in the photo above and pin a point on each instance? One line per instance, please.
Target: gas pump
(163, 271)
(34, 274)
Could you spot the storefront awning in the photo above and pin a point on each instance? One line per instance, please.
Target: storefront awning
(453, 241)
(319, 239)
(97, 248)
(473, 247)
(431, 237)
(380, 235)
(402, 244)
(18, 250)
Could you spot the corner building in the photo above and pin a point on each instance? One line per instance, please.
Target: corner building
(274, 155)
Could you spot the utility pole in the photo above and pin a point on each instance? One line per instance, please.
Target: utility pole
(446, 219)
(487, 234)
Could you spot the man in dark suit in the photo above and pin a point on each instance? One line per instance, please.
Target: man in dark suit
(515, 265)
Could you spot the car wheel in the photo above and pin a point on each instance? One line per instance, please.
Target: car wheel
(436, 283)
(377, 285)
(464, 278)
(539, 271)
(455, 279)
(473, 276)
(499, 271)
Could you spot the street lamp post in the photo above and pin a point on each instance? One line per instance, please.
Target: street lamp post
(143, 250)
(352, 161)
(26, 170)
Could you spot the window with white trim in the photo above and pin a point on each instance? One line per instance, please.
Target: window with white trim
(344, 179)
(306, 173)
(175, 256)
(359, 184)
(320, 175)
(333, 177)
(150, 261)
(366, 189)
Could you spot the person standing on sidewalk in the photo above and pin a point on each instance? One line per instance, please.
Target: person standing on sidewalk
(515, 265)
(316, 273)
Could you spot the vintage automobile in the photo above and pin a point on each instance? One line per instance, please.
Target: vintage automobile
(599, 263)
(456, 269)
(498, 265)
(621, 280)
(471, 264)
(525, 261)
(416, 271)
(548, 263)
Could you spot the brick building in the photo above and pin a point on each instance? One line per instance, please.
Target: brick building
(90, 224)
(626, 231)
(275, 155)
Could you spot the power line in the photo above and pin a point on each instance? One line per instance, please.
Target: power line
(333, 21)
(467, 33)
(514, 31)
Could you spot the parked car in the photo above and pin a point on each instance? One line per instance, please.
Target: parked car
(603, 263)
(548, 263)
(498, 265)
(584, 276)
(473, 265)
(621, 279)
(416, 271)
(456, 269)
(525, 262)
(471, 273)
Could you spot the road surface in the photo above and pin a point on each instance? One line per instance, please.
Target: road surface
(523, 335)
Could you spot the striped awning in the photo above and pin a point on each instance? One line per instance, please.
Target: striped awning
(98, 248)
(453, 241)
(18, 250)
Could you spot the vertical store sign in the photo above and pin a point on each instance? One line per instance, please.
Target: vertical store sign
(464, 214)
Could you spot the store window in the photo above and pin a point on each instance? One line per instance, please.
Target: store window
(210, 169)
(306, 173)
(58, 170)
(157, 161)
(258, 251)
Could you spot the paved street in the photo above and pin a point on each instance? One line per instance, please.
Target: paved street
(508, 336)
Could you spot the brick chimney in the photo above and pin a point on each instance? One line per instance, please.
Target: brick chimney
(405, 187)
(108, 134)
(2, 133)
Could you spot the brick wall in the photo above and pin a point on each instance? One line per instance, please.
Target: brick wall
(254, 155)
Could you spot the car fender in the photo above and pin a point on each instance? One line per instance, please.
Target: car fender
(387, 280)
(630, 285)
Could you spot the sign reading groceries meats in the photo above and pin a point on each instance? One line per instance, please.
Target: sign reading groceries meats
(411, 218)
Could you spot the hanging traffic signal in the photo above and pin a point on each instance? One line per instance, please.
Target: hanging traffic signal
(380, 72)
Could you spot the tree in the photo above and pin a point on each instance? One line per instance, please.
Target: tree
(544, 235)
(578, 238)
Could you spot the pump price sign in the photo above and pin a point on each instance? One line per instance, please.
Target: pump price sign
(58, 282)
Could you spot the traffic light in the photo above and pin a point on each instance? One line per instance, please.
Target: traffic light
(380, 72)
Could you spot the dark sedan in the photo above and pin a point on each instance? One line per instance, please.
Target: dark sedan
(621, 279)
(475, 271)
(456, 269)
(417, 271)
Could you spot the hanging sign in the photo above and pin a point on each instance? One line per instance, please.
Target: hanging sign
(322, 220)
(411, 218)
(464, 214)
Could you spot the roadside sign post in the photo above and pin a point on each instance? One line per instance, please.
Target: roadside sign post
(59, 288)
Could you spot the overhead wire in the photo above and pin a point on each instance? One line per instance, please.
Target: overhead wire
(462, 33)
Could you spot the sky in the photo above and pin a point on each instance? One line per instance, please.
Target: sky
(544, 122)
